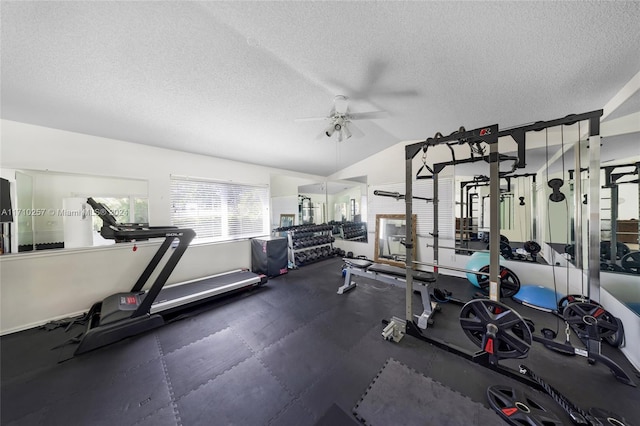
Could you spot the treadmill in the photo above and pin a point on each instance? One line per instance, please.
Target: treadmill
(122, 315)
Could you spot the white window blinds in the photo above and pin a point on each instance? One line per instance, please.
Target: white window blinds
(423, 210)
(219, 211)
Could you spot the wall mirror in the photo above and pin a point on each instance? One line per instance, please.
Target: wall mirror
(287, 220)
(524, 200)
(390, 238)
(347, 201)
(312, 203)
(53, 214)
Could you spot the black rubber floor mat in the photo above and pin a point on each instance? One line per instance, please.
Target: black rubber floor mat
(335, 416)
(402, 396)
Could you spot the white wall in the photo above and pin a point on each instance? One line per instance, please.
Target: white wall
(37, 287)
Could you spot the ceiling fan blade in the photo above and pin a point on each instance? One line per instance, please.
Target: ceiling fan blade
(355, 130)
(310, 119)
(396, 93)
(368, 115)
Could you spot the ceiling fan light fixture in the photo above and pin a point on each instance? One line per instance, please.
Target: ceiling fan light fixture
(346, 132)
(330, 130)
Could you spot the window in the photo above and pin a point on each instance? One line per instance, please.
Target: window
(219, 211)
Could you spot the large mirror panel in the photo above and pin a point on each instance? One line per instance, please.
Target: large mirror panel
(347, 201)
(524, 207)
(390, 239)
(52, 212)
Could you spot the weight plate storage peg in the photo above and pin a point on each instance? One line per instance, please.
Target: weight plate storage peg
(496, 329)
(518, 408)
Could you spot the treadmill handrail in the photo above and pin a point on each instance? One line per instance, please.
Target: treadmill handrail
(184, 237)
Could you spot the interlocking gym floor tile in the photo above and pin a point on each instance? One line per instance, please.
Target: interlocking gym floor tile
(283, 293)
(165, 416)
(140, 392)
(296, 413)
(177, 334)
(336, 416)
(300, 359)
(35, 418)
(241, 305)
(247, 394)
(342, 385)
(265, 328)
(342, 329)
(88, 371)
(193, 365)
(30, 351)
(123, 355)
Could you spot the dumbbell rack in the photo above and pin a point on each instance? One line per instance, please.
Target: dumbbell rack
(352, 231)
(309, 243)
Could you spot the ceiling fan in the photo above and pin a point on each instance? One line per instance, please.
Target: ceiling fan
(340, 119)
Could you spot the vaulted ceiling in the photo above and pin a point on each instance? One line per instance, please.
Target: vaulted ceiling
(229, 79)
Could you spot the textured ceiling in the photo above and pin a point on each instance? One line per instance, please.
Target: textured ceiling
(228, 79)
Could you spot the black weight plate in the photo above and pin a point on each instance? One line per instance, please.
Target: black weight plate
(605, 250)
(607, 418)
(631, 262)
(477, 314)
(532, 247)
(571, 298)
(585, 317)
(509, 282)
(617, 338)
(519, 408)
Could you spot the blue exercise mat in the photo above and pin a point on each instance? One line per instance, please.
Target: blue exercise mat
(537, 296)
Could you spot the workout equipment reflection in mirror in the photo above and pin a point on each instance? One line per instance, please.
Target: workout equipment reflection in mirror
(556, 196)
(605, 250)
(631, 262)
(509, 282)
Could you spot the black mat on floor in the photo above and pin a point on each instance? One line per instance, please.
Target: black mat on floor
(402, 396)
(293, 352)
(335, 416)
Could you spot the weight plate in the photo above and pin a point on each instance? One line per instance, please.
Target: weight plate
(519, 408)
(605, 250)
(590, 319)
(607, 418)
(532, 247)
(616, 339)
(571, 298)
(480, 315)
(631, 262)
(509, 282)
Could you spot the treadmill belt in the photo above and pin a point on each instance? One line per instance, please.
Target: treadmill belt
(208, 284)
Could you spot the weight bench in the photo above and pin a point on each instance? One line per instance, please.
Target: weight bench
(393, 275)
